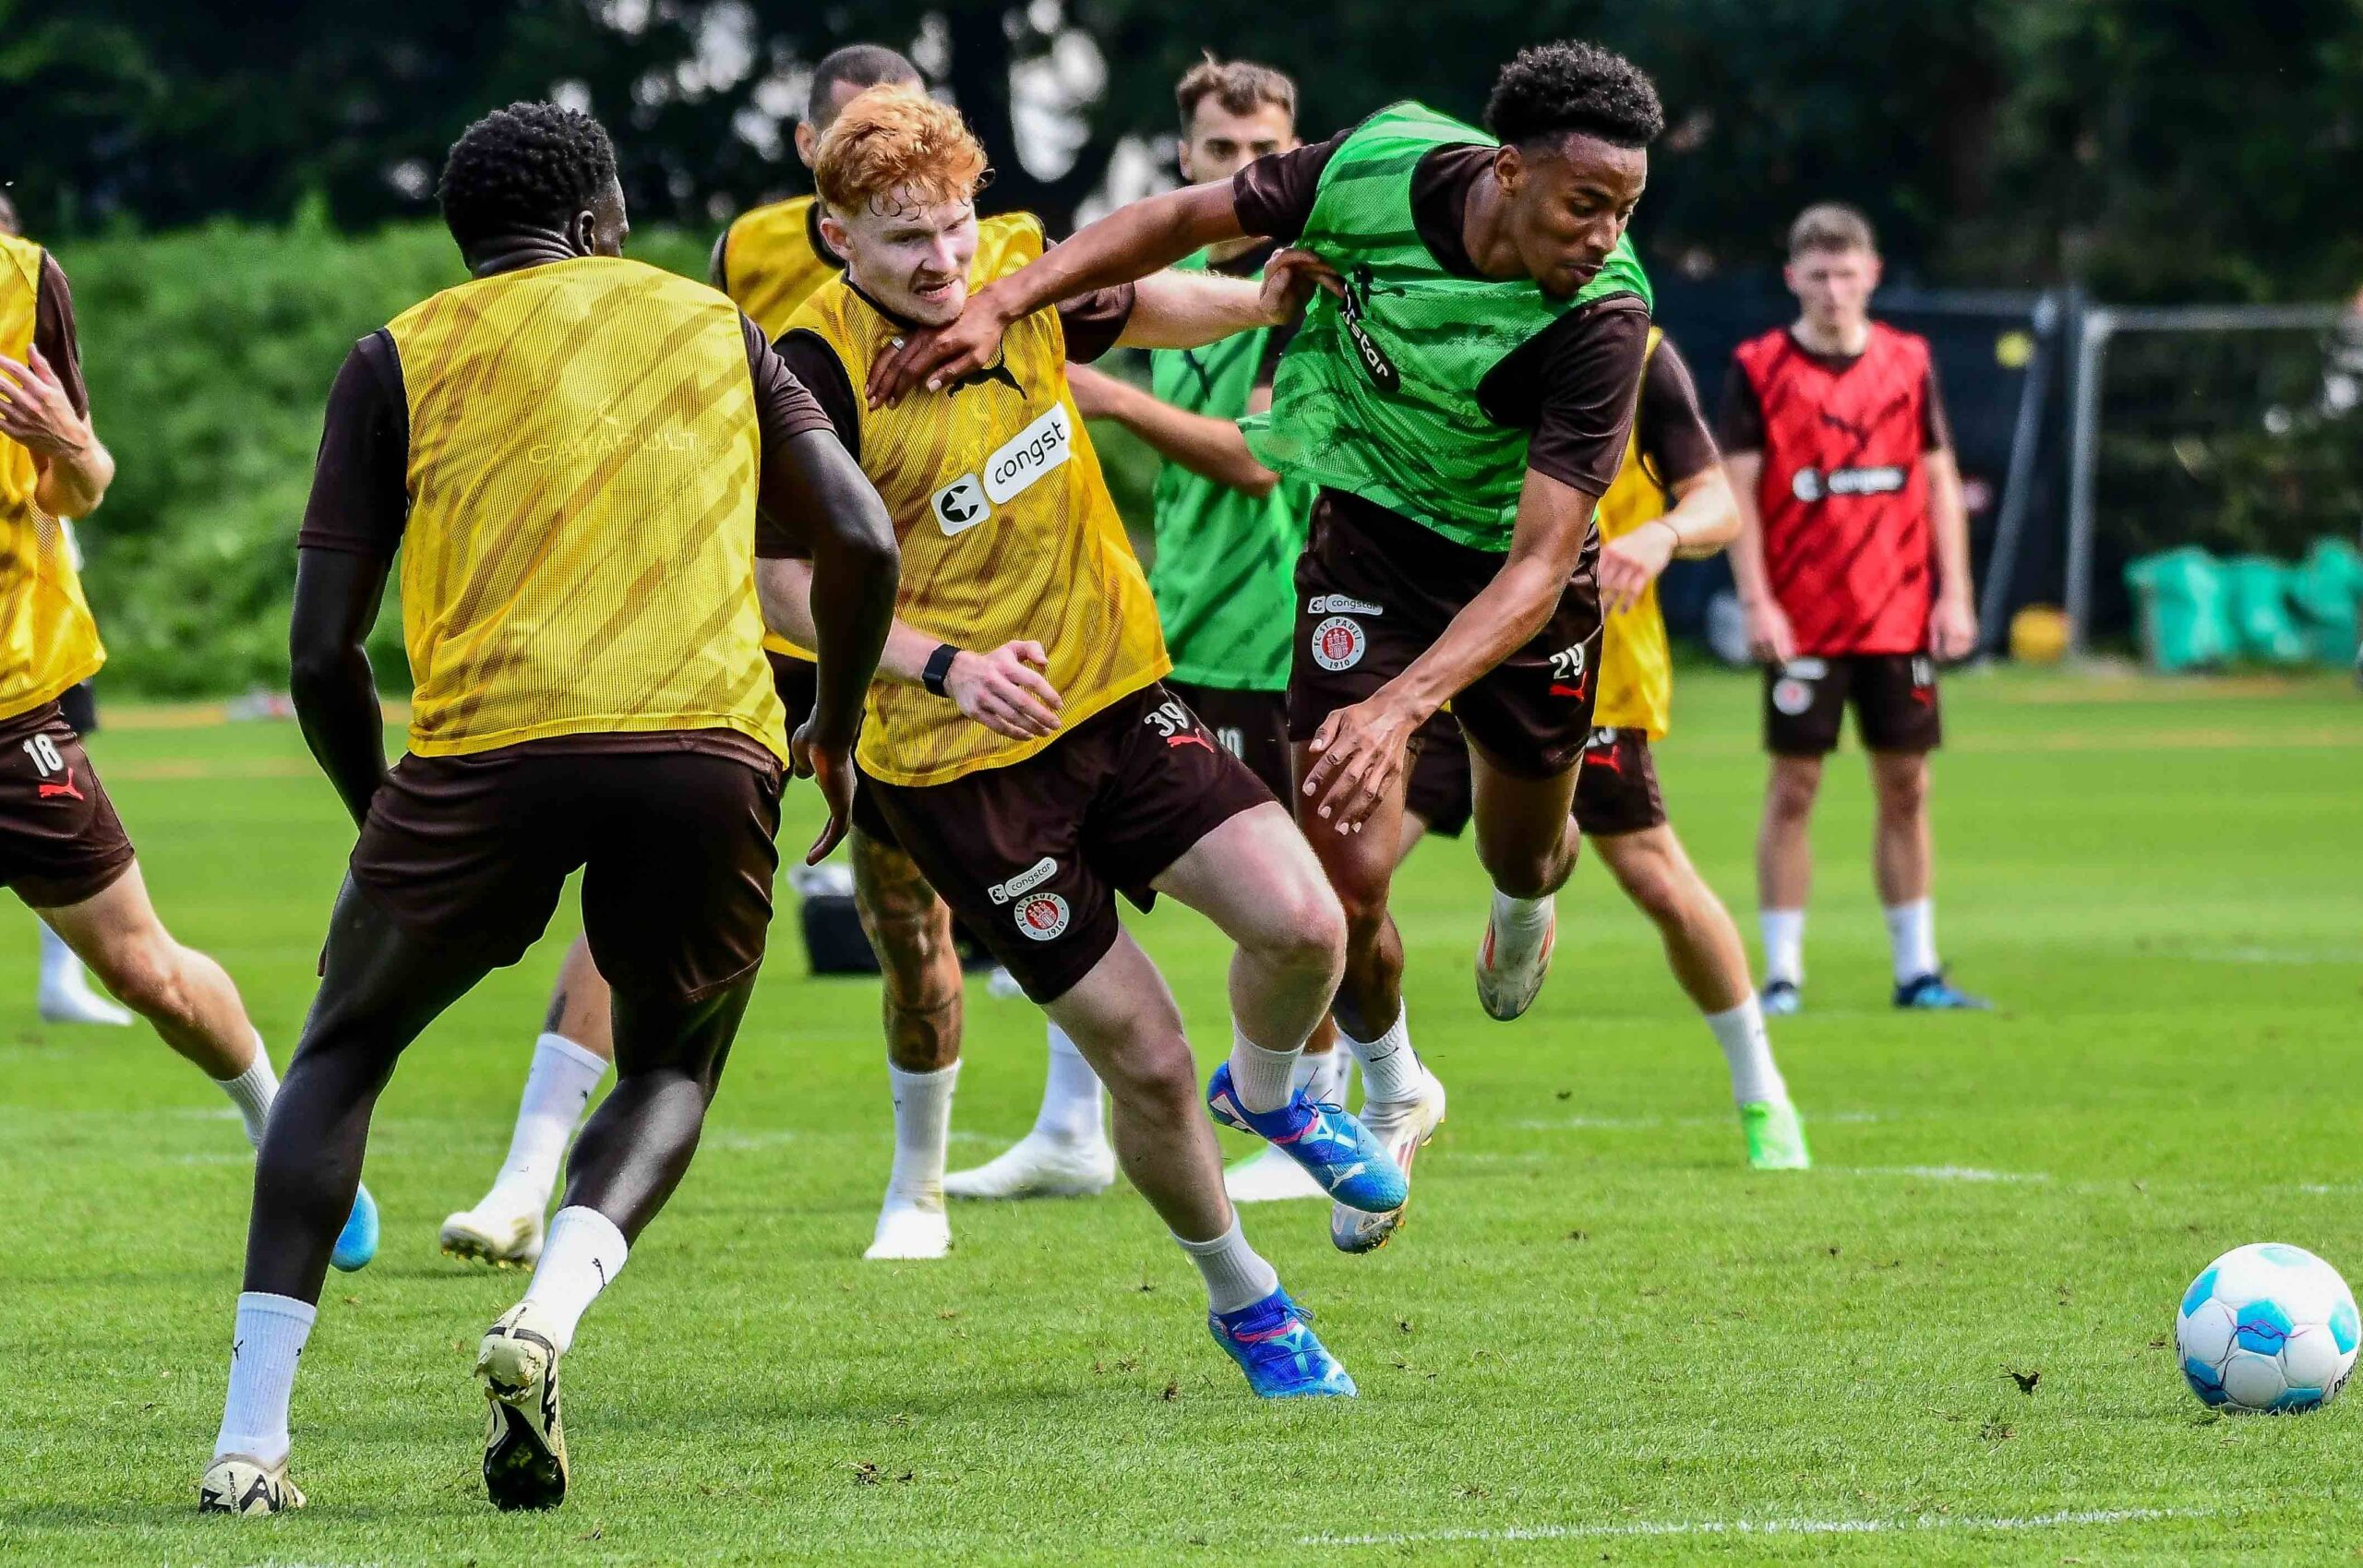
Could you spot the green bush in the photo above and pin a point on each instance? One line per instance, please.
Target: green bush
(209, 354)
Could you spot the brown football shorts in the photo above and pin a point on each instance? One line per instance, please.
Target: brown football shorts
(1251, 726)
(1438, 792)
(1030, 856)
(673, 831)
(1376, 590)
(1894, 697)
(60, 840)
(1617, 791)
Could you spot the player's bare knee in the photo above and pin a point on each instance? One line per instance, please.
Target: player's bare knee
(144, 974)
(1901, 787)
(1523, 874)
(1307, 928)
(1791, 796)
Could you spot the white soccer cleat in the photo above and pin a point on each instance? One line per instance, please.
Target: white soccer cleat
(494, 1233)
(71, 1000)
(910, 1232)
(1404, 1127)
(524, 1443)
(1269, 1176)
(1510, 966)
(240, 1483)
(1039, 1167)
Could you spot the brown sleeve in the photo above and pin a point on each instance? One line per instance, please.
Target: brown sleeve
(1672, 432)
(1274, 195)
(1091, 323)
(784, 409)
(360, 489)
(1739, 423)
(1592, 372)
(1935, 430)
(54, 334)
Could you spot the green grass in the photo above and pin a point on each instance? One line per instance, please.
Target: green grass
(1600, 1326)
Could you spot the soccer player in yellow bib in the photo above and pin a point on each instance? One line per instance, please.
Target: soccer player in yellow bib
(768, 261)
(1671, 498)
(1021, 746)
(591, 471)
(63, 850)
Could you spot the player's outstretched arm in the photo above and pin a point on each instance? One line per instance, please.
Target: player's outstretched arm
(337, 594)
(1006, 690)
(1703, 519)
(1213, 449)
(1359, 750)
(1184, 310)
(1130, 243)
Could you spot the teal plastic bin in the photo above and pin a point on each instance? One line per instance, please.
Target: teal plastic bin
(2185, 606)
(2326, 589)
(2262, 620)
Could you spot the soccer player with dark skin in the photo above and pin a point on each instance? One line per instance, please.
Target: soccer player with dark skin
(1462, 418)
(768, 260)
(593, 471)
(1852, 565)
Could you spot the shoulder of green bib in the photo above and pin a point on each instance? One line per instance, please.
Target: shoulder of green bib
(1397, 138)
(1622, 273)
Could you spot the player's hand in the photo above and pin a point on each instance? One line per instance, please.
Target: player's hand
(1769, 637)
(830, 765)
(1629, 562)
(1357, 756)
(1095, 392)
(1289, 278)
(1006, 690)
(934, 355)
(1952, 629)
(35, 410)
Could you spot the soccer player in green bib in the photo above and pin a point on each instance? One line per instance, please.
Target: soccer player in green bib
(1461, 398)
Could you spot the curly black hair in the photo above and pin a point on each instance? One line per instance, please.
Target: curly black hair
(1551, 90)
(528, 166)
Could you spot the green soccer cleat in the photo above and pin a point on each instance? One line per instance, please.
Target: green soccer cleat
(1776, 1138)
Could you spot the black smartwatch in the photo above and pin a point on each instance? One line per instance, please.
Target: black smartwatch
(939, 665)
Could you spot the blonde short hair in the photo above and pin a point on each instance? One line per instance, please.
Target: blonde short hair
(894, 147)
(1831, 225)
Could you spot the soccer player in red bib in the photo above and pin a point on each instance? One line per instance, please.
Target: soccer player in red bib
(1852, 564)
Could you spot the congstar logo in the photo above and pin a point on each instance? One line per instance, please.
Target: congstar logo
(1813, 484)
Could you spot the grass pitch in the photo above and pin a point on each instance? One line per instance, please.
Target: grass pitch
(1600, 1338)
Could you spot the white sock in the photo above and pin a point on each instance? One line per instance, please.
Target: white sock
(1323, 1077)
(581, 1257)
(263, 1348)
(1784, 945)
(251, 1092)
(1074, 1105)
(1755, 1078)
(1390, 1067)
(1911, 938)
(1526, 915)
(922, 1129)
(1262, 1078)
(559, 1085)
(1235, 1273)
(60, 970)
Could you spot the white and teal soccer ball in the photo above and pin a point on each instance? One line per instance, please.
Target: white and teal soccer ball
(2267, 1327)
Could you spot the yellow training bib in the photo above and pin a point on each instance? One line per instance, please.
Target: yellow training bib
(1636, 666)
(1006, 526)
(581, 552)
(48, 642)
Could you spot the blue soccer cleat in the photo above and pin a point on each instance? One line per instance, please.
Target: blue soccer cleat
(357, 1242)
(1933, 993)
(1782, 1000)
(1275, 1348)
(1337, 1150)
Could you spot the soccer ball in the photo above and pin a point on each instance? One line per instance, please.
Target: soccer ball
(2267, 1327)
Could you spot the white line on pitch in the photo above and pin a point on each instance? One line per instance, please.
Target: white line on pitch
(1768, 1526)
(1941, 1172)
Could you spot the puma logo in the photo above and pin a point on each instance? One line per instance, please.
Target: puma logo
(1000, 373)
